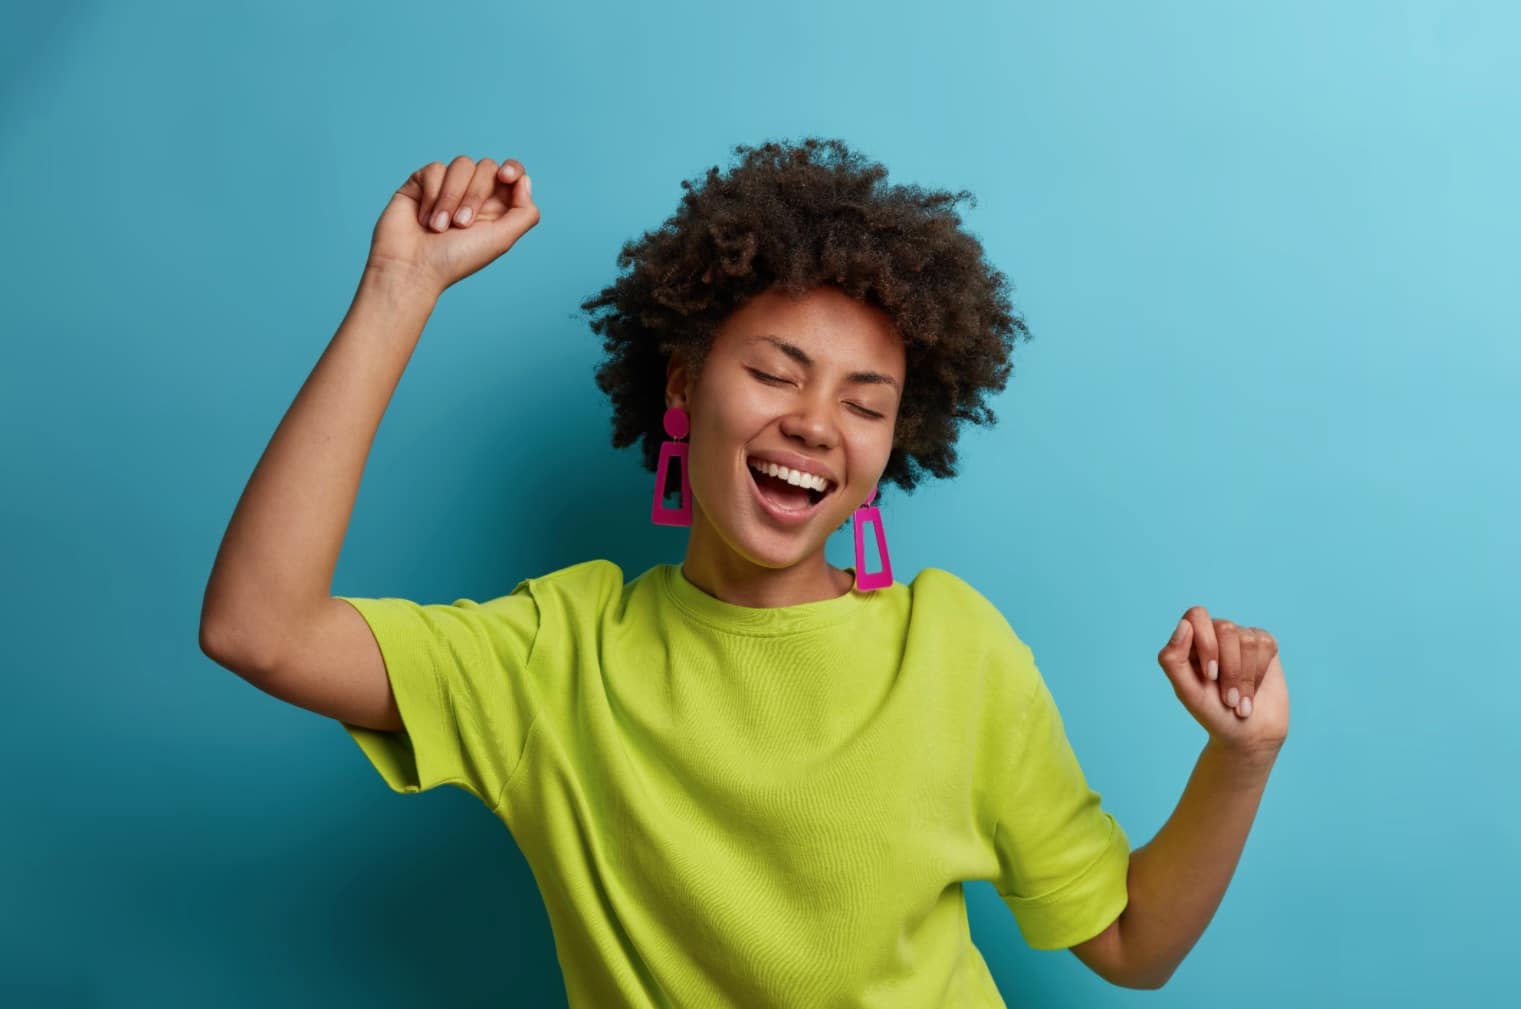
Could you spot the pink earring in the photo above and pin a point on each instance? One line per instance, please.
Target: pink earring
(872, 514)
(677, 424)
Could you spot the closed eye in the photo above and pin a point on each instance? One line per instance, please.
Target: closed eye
(772, 379)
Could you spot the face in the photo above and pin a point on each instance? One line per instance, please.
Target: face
(814, 382)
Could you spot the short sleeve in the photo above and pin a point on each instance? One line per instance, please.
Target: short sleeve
(1063, 860)
(459, 674)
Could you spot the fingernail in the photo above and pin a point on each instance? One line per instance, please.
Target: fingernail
(1246, 706)
(441, 221)
(1214, 669)
(1231, 697)
(463, 216)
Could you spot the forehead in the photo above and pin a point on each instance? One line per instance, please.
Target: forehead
(829, 325)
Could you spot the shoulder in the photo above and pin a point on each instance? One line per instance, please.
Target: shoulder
(941, 590)
(587, 585)
(582, 574)
(966, 616)
(941, 583)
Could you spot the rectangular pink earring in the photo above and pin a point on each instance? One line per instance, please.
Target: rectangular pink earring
(677, 424)
(869, 513)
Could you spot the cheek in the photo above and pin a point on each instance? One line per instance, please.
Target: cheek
(716, 450)
(869, 450)
(729, 429)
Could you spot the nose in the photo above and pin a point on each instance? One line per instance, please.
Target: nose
(811, 424)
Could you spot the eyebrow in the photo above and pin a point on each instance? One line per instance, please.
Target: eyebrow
(797, 353)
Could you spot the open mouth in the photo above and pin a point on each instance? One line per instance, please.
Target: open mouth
(785, 495)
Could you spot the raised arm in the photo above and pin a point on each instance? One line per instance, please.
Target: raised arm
(274, 569)
(268, 613)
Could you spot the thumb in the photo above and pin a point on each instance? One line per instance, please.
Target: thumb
(1173, 658)
(522, 194)
(522, 213)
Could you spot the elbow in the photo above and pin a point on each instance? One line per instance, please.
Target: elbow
(1144, 982)
(1134, 981)
(215, 643)
(1126, 973)
(223, 649)
(1149, 985)
(1108, 956)
(210, 641)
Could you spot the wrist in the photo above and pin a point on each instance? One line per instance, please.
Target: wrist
(1251, 761)
(398, 281)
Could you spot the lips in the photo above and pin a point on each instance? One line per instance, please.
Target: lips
(778, 509)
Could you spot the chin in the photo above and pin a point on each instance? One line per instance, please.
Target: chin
(774, 549)
(753, 538)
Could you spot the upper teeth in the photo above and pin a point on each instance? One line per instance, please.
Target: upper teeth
(795, 477)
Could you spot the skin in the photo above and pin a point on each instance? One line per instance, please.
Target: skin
(1228, 677)
(735, 551)
(1176, 881)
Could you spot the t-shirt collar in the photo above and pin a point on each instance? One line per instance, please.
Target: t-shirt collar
(761, 620)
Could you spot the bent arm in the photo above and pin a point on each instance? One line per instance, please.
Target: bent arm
(275, 566)
(1176, 882)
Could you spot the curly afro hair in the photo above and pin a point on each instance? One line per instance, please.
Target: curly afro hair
(797, 216)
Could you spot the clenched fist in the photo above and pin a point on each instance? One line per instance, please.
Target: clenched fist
(445, 223)
(1230, 679)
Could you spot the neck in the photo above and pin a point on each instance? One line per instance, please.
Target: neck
(714, 567)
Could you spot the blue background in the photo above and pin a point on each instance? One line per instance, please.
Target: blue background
(1268, 255)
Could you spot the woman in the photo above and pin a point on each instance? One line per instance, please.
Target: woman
(750, 779)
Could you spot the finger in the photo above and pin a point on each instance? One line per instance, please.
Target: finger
(1206, 646)
(1257, 650)
(521, 195)
(1173, 658)
(431, 176)
(499, 200)
(456, 180)
(412, 189)
(480, 187)
(522, 213)
(1230, 662)
(1246, 680)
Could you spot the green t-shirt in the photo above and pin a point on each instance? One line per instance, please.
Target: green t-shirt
(735, 806)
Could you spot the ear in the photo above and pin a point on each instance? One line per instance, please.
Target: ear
(677, 383)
